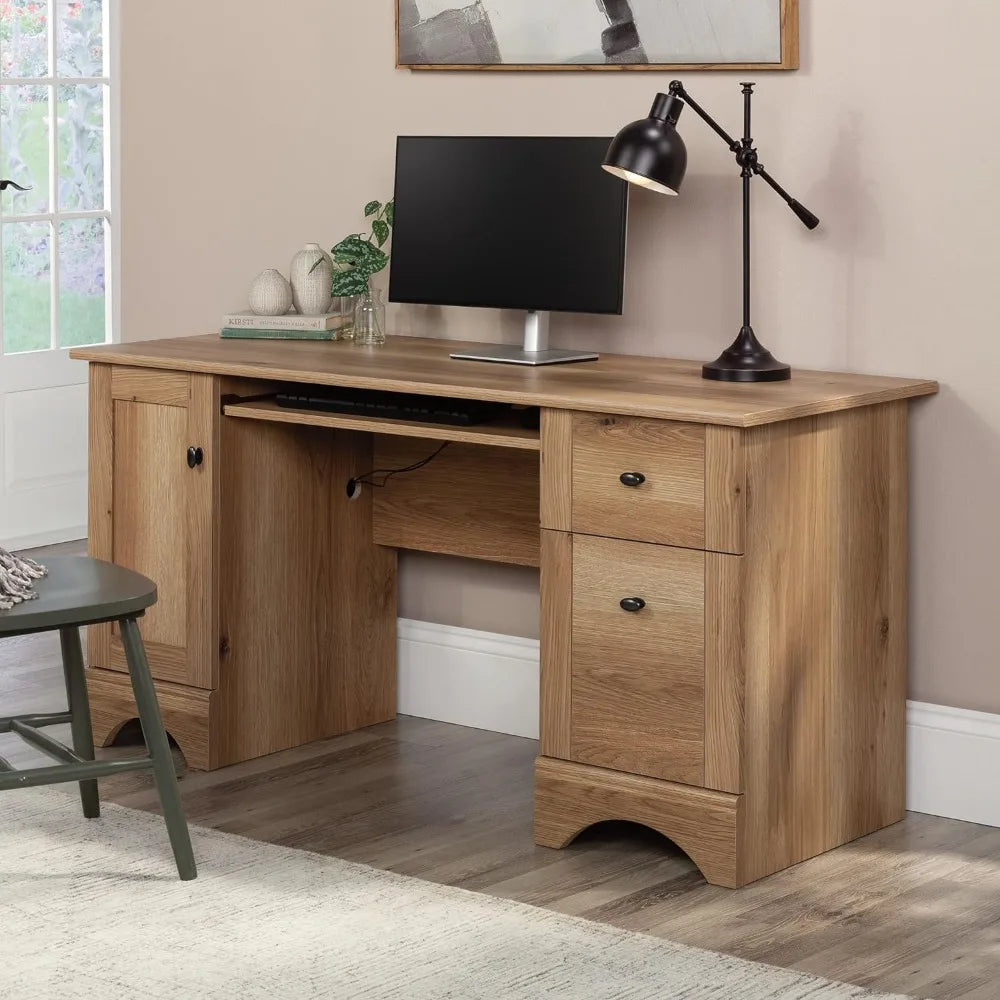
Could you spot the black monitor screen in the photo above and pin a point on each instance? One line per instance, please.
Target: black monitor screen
(509, 223)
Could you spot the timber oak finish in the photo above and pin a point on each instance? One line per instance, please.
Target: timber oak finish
(911, 910)
(616, 384)
(638, 679)
(501, 434)
(473, 501)
(723, 573)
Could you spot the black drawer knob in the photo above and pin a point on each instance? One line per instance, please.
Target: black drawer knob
(632, 478)
(195, 456)
(632, 604)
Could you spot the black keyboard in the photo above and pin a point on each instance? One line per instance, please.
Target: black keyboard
(393, 405)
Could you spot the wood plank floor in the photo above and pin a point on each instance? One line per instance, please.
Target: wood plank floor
(914, 909)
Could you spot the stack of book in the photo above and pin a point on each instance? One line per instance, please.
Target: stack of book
(291, 326)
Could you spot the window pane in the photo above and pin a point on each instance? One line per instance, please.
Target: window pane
(81, 282)
(24, 147)
(27, 281)
(24, 42)
(81, 147)
(79, 42)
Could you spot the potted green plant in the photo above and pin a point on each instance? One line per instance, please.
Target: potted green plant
(356, 259)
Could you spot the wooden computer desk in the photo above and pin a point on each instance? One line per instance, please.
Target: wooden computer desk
(753, 710)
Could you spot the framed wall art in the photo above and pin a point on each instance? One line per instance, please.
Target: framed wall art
(597, 34)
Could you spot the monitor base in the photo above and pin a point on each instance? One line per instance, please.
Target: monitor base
(534, 351)
(510, 354)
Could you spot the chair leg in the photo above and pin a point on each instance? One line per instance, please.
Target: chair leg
(79, 706)
(159, 748)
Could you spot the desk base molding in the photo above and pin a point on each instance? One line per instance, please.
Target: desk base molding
(705, 824)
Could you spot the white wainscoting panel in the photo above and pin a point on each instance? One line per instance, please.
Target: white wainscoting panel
(43, 492)
(490, 681)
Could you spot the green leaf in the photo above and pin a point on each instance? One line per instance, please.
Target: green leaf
(349, 283)
(390, 212)
(381, 231)
(361, 255)
(372, 207)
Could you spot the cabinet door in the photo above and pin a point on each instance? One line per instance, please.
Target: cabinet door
(152, 511)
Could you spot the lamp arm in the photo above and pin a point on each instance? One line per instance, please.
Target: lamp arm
(746, 155)
(677, 89)
(806, 217)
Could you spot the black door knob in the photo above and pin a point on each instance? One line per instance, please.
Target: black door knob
(632, 478)
(632, 604)
(195, 456)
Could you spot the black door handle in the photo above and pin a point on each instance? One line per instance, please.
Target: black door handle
(195, 456)
(632, 604)
(632, 478)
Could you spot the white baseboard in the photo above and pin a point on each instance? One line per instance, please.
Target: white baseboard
(490, 681)
(470, 678)
(71, 534)
(953, 763)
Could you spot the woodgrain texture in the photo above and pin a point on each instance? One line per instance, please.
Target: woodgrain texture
(617, 384)
(725, 677)
(507, 433)
(638, 687)
(308, 602)
(569, 797)
(150, 512)
(725, 489)
(669, 507)
(100, 497)
(143, 386)
(470, 501)
(164, 522)
(189, 714)
(789, 57)
(555, 724)
(825, 634)
(557, 469)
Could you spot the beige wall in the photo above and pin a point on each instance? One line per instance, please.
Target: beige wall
(251, 127)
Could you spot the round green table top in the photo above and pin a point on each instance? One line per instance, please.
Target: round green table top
(79, 591)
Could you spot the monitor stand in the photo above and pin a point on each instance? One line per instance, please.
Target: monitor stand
(535, 350)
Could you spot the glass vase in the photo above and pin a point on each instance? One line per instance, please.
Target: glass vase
(346, 305)
(369, 319)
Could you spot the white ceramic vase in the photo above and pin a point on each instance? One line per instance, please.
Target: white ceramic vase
(312, 275)
(270, 294)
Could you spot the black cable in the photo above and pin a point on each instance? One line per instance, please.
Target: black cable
(387, 474)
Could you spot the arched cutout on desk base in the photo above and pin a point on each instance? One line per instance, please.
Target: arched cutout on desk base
(571, 797)
(185, 712)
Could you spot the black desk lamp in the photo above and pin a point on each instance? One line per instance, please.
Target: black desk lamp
(650, 153)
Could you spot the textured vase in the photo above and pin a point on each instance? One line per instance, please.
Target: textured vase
(270, 294)
(312, 277)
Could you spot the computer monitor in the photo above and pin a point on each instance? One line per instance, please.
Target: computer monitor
(528, 223)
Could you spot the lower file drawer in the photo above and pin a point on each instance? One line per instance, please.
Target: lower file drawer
(638, 658)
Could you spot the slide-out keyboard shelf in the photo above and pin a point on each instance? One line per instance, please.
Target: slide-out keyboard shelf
(504, 433)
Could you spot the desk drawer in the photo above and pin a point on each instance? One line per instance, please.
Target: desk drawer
(658, 481)
(638, 677)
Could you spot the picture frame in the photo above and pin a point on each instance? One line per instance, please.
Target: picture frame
(460, 36)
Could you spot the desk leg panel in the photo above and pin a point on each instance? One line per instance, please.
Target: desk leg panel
(308, 600)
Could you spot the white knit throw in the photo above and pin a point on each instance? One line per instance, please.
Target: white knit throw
(17, 575)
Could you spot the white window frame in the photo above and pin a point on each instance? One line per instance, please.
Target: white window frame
(111, 17)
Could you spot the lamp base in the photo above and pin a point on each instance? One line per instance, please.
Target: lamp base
(747, 361)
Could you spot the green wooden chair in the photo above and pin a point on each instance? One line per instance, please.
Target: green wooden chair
(82, 591)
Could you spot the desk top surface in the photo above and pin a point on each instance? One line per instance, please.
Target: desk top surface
(620, 384)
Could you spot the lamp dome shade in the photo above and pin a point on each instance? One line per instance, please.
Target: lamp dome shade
(649, 153)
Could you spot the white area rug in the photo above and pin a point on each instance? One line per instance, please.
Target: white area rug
(94, 910)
